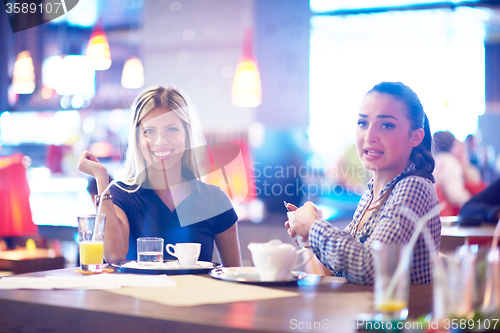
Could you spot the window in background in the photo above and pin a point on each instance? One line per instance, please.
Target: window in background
(331, 5)
(52, 142)
(438, 53)
(49, 128)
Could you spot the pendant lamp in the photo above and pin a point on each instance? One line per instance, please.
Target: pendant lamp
(133, 74)
(23, 79)
(98, 51)
(247, 90)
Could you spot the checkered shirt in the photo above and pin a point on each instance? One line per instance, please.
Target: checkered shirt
(349, 252)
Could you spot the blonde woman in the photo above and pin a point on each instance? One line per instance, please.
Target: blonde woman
(162, 195)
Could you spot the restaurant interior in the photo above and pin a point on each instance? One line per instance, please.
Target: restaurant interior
(313, 61)
(281, 79)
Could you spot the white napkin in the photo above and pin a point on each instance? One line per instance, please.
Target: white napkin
(95, 282)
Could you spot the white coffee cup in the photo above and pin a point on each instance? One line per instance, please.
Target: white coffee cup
(276, 260)
(187, 253)
(298, 239)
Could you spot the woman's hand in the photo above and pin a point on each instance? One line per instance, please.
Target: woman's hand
(89, 164)
(303, 220)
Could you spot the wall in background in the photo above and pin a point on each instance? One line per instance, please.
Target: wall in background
(282, 32)
(195, 46)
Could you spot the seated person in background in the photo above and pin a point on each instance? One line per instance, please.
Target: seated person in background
(456, 179)
(394, 142)
(473, 150)
(484, 205)
(161, 195)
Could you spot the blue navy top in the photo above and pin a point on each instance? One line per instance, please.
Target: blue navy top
(205, 213)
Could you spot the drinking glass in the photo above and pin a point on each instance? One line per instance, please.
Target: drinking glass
(149, 251)
(392, 276)
(91, 239)
(456, 283)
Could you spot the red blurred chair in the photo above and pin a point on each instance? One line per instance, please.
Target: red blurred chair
(479, 240)
(450, 209)
(15, 212)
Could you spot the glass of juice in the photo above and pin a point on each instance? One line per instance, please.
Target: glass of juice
(392, 280)
(91, 238)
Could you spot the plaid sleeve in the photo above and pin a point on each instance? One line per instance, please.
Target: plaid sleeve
(338, 250)
(343, 253)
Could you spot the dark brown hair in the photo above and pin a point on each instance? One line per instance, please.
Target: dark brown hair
(421, 155)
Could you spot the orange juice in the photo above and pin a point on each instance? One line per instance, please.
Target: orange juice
(391, 306)
(91, 252)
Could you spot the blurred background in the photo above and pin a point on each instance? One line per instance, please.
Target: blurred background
(283, 79)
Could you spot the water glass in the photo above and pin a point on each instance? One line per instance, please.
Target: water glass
(149, 251)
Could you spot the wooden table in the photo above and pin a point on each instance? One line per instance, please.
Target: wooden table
(26, 261)
(454, 236)
(321, 300)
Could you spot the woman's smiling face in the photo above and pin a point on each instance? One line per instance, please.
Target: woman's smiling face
(162, 138)
(384, 137)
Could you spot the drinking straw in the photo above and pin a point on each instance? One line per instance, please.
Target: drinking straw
(407, 250)
(429, 242)
(96, 224)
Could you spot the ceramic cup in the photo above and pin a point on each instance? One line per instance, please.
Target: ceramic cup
(187, 253)
(298, 239)
(276, 260)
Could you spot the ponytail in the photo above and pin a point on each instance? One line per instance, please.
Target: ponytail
(421, 155)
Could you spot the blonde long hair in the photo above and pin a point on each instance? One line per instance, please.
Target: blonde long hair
(174, 100)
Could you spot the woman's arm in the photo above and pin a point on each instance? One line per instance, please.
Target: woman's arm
(228, 247)
(341, 252)
(116, 234)
(116, 231)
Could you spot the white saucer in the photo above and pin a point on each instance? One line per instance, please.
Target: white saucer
(251, 275)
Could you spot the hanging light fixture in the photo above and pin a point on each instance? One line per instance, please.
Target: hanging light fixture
(23, 79)
(247, 90)
(133, 74)
(98, 51)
